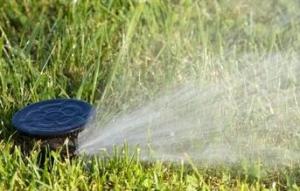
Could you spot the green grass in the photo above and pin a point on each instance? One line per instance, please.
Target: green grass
(115, 53)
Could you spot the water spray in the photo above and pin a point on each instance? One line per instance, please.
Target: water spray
(251, 114)
(55, 123)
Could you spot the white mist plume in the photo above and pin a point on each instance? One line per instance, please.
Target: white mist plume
(249, 115)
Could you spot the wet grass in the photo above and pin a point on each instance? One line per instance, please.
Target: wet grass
(115, 53)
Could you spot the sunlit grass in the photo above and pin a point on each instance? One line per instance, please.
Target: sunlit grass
(115, 53)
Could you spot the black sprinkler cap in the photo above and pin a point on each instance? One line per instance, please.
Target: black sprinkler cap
(52, 118)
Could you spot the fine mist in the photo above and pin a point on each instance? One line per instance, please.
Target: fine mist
(250, 114)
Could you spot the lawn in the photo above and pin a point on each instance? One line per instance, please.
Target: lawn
(116, 53)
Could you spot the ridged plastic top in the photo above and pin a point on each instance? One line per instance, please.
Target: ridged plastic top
(52, 118)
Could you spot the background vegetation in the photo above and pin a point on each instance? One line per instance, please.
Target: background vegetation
(112, 53)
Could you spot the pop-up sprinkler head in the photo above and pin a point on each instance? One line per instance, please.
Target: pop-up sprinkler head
(53, 122)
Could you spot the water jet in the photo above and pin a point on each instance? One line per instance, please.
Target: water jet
(52, 122)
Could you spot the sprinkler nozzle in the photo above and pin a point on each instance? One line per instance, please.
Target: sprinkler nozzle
(53, 122)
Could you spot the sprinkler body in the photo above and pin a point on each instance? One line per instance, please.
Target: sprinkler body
(54, 123)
